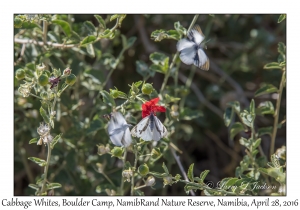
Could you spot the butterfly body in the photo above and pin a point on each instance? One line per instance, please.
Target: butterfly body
(149, 128)
(191, 50)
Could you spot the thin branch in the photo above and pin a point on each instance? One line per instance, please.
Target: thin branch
(177, 158)
(40, 43)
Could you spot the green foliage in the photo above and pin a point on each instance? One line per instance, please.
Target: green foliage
(108, 63)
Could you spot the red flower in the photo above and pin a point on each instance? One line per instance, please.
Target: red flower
(150, 106)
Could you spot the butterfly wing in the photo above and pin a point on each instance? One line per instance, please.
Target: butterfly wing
(196, 35)
(187, 55)
(201, 60)
(184, 43)
(142, 129)
(126, 137)
(159, 130)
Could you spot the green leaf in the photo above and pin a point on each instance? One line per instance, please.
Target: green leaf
(272, 65)
(113, 17)
(228, 114)
(88, 40)
(107, 98)
(139, 193)
(165, 168)
(245, 142)
(100, 21)
(252, 107)
(142, 69)
(32, 141)
(53, 186)
(247, 118)
(190, 173)
(281, 18)
(265, 107)
(265, 130)
(89, 26)
(44, 115)
(29, 25)
(173, 34)
(229, 182)
(169, 99)
(158, 58)
(235, 129)
(105, 34)
(137, 84)
(55, 140)
(267, 88)
(276, 173)
(33, 186)
(203, 175)
(256, 143)
(159, 35)
(235, 105)
(65, 26)
(188, 114)
(90, 50)
(38, 161)
(178, 27)
(157, 68)
(281, 48)
(131, 41)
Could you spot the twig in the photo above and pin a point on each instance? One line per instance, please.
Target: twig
(122, 179)
(176, 157)
(201, 98)
(276, 114)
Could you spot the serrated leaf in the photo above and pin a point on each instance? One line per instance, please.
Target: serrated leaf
(272, 65)
(32, 141)
(88, 40)
(235, 129)
(203, 175)
(100, 21)
(281, 18)
(107, 98)
(53, 186)
(65, 26)
(268, 88)
(265, 107)
(89, 26)
(44, 115)
(55, 140)
(38, 161)
(165, 168)
(190, 173)
(228, 114)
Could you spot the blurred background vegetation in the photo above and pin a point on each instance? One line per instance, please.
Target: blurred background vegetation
(238, 48)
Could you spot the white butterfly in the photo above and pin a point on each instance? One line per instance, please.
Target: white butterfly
(149, 128)
(191, 51)
(118, 130)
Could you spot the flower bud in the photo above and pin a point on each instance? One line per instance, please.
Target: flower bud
(20, 74)
(67, 71)
(43, 80)
(114, 93)
(143, 169)
(117, 152)
(71, 79)
(41, 67)
(155, 153)
(17, 22)
(101, 150)
(147, 88)
(44, 95)
(167, 180)
(150, 181)
(127, 174)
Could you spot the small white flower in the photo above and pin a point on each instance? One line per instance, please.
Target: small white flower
(127, 174)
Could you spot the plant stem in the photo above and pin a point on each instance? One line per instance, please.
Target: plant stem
(46, 167)
(108, 179)
(174, 58)
(276, 114)
(45, 30)
(134, 169)
(35, 96)
(142, 186)
(122, 179)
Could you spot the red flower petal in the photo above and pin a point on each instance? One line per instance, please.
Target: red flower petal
(150, 106)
